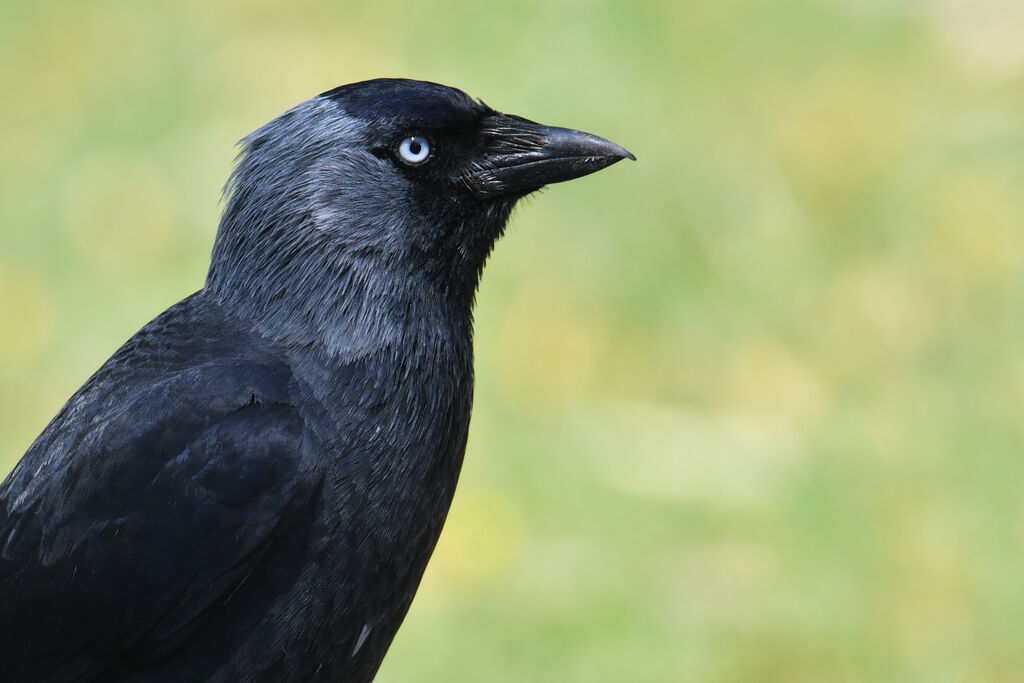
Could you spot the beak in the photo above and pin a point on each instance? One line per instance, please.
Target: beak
(521, 156)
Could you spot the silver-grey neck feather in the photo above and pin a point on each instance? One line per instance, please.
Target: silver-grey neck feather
(322, 244)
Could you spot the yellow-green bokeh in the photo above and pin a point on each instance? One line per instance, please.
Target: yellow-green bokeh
(750, 409)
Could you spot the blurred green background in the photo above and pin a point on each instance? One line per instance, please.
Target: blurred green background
(750, 409)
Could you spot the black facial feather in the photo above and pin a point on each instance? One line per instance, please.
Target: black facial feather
(412, 103)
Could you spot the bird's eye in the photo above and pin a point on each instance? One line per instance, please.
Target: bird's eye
(414, 150)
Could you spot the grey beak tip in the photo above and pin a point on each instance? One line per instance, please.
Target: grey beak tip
(620, 154)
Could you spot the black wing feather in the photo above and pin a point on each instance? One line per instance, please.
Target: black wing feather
(124, 524)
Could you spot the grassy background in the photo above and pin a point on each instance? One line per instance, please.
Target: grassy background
(751, 409)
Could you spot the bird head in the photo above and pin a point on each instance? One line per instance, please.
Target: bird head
(399, 182)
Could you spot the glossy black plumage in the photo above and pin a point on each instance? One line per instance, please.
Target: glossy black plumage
(251, 487)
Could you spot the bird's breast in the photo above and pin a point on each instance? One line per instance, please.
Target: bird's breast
(395, 435)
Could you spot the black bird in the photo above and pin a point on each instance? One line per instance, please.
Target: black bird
(250, 488)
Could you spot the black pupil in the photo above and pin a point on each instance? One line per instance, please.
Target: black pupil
(415, 146)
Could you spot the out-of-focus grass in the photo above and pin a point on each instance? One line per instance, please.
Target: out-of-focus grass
(750, 409)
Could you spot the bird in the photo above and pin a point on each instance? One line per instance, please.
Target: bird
(250, 488)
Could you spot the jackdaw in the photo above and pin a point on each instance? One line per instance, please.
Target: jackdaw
(250, 488)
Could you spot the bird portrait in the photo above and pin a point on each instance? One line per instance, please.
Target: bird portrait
(250, 488)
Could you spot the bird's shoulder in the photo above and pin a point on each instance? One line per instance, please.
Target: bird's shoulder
(188, 367)
(152, 492)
